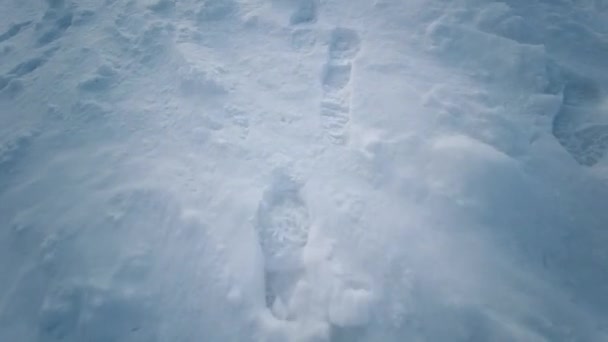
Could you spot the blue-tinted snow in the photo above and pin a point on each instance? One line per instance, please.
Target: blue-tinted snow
(303, 170)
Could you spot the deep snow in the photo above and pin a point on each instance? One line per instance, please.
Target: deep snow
(303, 170)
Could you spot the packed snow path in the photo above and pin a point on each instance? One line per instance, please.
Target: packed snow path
(303, 170)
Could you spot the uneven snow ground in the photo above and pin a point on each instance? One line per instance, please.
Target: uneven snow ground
(303, 170)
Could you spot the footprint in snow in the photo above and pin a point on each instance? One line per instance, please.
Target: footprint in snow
(282, 225)
(336, 81)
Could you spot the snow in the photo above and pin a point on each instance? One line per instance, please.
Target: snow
(303, 170)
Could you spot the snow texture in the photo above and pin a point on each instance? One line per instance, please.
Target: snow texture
(303, 170)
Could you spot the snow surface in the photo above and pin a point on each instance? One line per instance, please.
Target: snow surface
(303, 170)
